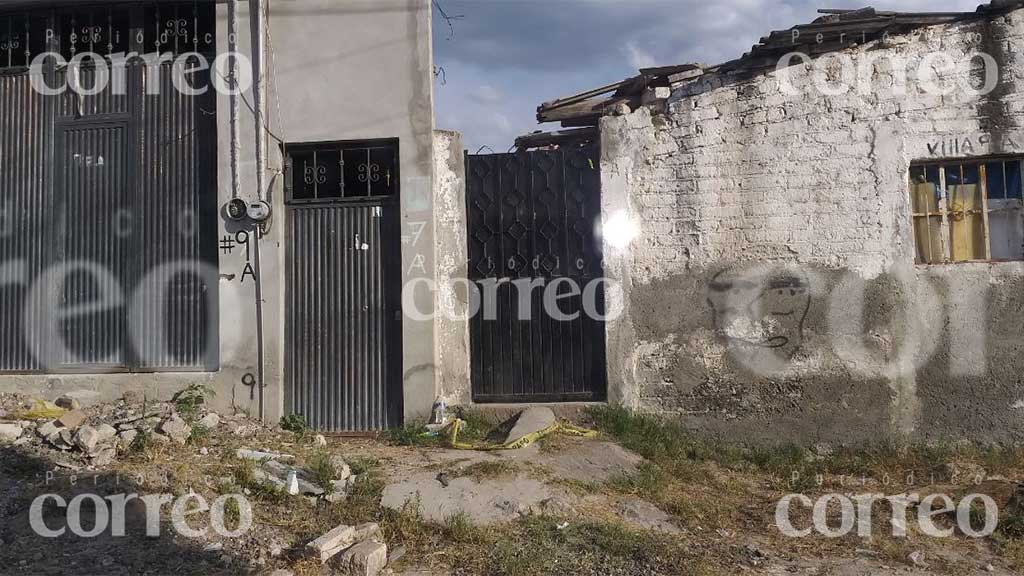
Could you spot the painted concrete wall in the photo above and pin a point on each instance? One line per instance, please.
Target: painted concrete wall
(452, 326)
(773, 295)
(350, 70)
(338, 71)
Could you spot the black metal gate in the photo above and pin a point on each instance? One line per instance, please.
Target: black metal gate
(538, 333)
(343, 335)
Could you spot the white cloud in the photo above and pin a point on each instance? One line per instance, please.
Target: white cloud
(487, 94)
(638, 57)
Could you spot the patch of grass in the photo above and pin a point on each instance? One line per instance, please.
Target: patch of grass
(363, 502)
(322, 470)
(414, 434)
(459, 528)
(295, 423)
(538, 546)
(141, 444)
(476, 427)
(486, 469)
(188, 401)
(198, 434)
(1014, 553)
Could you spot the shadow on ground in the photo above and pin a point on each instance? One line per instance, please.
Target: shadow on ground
(24, 476)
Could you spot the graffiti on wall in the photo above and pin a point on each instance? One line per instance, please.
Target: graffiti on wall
(757, 310)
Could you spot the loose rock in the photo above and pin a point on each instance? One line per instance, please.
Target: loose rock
(10, 432)
(72, 420)
(532, 420)
(366, 558)
(128, 437)
(327, 546)
(86, 439)
(176, 429)
(210, 421)
(68, 403)
(47, 429)
(104, 457)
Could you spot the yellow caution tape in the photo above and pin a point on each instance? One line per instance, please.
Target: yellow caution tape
(453, 436)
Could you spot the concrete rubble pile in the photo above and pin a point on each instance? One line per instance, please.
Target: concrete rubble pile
(278, 471)
(98, 434)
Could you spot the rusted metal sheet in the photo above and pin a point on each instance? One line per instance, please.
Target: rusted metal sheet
(343, 331)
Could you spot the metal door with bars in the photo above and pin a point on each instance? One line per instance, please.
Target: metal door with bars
(532, 218)
(344, 349)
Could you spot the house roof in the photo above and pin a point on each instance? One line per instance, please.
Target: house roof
(838, 29)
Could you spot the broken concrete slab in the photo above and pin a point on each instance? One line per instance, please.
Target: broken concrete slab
(367, 558)
(327, 546)
(367, 530)
(72, 419)
(46, 429)
(86, 438)
(486, 502)
(585, 460)
(10, 432)
(531, 421)
(246, 454)
(106, 432)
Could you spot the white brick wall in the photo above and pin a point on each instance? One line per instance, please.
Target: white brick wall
(739, 171)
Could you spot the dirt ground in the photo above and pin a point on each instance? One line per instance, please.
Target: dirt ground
(560, 506)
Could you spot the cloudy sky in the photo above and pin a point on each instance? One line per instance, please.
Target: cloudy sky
(507, 56)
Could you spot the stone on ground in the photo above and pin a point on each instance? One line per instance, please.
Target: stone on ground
(104, 457)
(127, 437)
(176, 429)
(210, 421)
(531, 420)
(106, 432)
(9, 432)
(580, 459)
(366, 531)
(72, 420)
(327, 546)
(86, 439)
(47, 429)
(68, 403)
(365, 559)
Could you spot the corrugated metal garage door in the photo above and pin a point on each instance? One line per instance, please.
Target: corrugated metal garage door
(111, 200)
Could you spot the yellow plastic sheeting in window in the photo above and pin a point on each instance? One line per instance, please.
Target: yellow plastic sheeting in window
(966, 222)
(927, 223)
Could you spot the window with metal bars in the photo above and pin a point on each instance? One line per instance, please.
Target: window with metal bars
(106, 30)
(968, 210)
(341, 170)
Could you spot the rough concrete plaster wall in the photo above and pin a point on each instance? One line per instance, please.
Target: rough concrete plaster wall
(738, 173)
(451, 323)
